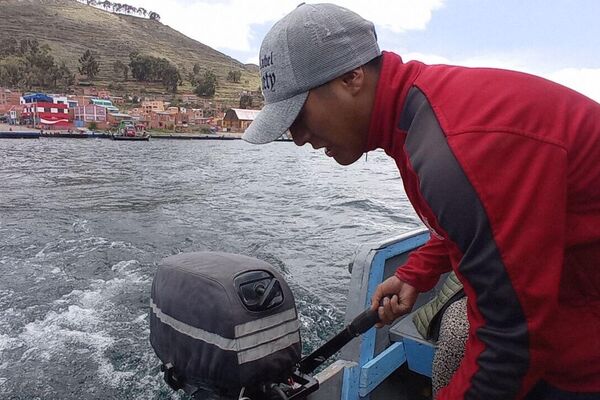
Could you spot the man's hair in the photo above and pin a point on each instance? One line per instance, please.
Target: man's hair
(374, 64)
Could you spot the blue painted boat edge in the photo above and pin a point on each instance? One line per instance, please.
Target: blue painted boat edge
(378, 369)
(351, 384)
(419, 356)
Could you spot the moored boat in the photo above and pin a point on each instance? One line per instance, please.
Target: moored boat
(128, 130)
(19, 135)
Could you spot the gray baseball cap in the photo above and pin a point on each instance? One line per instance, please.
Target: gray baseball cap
(310, 46)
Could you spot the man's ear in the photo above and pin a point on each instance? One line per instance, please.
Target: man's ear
(353, 80)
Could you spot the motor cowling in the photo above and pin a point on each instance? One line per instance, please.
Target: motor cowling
(222, 322)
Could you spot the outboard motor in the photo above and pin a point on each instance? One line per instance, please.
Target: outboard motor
(225, 326)
(222, 322)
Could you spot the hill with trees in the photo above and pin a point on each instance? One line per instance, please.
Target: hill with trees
(62, 42)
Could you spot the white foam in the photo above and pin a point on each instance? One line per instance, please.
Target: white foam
(125, 266)
(42, 252)
(81, 246)
(141, 318)
(80, 225)
(81, 319)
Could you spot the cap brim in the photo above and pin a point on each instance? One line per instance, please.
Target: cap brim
(274, 119)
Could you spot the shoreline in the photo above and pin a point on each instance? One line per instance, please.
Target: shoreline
(15, 130)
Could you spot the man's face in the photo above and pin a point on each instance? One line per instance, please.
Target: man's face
(330, 119)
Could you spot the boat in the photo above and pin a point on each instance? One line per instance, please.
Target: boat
(393, 362)
(203, 136)
(19, 135)
(79, 133)
(128, 130)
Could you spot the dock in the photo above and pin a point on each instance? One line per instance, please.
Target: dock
(19, 135)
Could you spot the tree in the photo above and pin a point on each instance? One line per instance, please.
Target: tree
(39, 64)
(12, 71)
(8, 47)
(88, 65)
(153, 69)
(171, 78)
(27, 64)
(207, 85)
(245, 100)
(63, 77)
(154, 16)
(234, 76)
(196, 68)
(105, 4)
(28, 46)
(120, 68)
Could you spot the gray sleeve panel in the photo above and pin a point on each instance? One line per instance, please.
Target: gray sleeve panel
(459, 211)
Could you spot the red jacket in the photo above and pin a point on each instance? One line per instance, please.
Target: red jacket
(504, 169)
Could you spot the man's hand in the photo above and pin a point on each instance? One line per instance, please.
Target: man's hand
(403, 297)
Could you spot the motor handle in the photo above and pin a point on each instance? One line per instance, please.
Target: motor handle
(363, 322)
(366, 319)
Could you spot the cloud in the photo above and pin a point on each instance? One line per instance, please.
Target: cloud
(252, 60)
(396, 16)
(230, 24)
(583, 80)
(237, 26)
(506, 60)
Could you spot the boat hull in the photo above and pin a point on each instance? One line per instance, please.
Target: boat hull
(131, 138)
(378, 365)
(19, 135)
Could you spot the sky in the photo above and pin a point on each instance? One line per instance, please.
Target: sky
(556, 39)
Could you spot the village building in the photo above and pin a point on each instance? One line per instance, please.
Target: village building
(90, 91)
(113, 119)
(106, 104)
(10, 104)
(78, 100)
(72, 103)
(238, 119)
(173, 118)
(117, 100)
(163, 120)
(58, 99)
(196, 117)
(103, 94)
(189, 98)
(9, 97)
(137, 113)
(148, 106)
(90, 113)
(46, 112)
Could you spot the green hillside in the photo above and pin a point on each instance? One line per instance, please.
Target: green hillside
(70, 28)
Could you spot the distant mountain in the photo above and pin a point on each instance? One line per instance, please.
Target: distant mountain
(70, 28)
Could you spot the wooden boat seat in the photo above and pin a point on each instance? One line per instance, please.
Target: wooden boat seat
(418, 350)
(405, 328)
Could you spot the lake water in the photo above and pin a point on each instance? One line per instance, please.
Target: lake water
(83, 224)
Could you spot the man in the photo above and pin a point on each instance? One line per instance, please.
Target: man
(502, 167)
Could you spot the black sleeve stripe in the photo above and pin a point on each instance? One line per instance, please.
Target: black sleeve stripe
(452, 198)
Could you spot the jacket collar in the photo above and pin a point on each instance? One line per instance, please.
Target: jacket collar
(395, 79)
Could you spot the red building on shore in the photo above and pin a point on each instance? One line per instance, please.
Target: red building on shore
(46, 112)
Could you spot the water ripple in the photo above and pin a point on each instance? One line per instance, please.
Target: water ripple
(83, 225)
